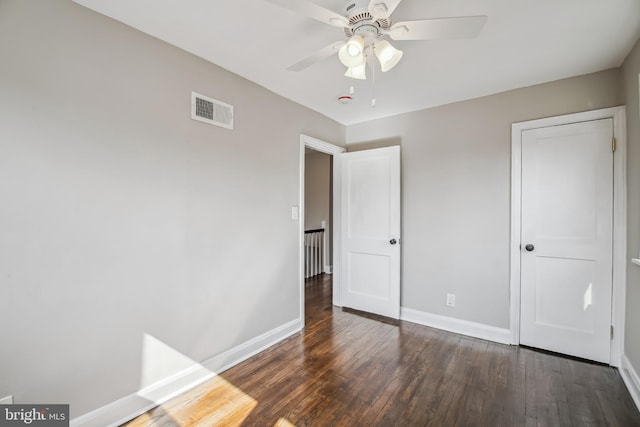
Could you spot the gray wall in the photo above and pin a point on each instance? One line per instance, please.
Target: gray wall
(630, 71)
(120, 216)
(456, 190)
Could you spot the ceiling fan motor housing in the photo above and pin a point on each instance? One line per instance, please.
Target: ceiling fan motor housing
(361, 22)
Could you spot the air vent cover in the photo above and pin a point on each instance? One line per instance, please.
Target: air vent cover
(211, 111)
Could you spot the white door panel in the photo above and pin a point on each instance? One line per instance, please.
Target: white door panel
(558, 280)
(567, 215)
(371, 220)
(369, 275)
(368, 183)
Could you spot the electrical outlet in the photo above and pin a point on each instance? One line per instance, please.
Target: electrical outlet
(451, 300)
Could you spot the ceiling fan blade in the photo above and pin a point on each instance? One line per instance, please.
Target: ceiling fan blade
(312, 10)
(464, 27)
(382, 8)
(317, 56)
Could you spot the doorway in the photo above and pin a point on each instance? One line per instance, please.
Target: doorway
(568, 238)
(366, 227)
(318, 218)
(312, 145)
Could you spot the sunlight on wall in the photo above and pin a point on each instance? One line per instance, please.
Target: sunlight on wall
(160, 361)
(588, 297)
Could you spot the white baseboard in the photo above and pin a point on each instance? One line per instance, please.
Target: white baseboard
(458, 326)
(129, 407)
(242, 352)
(631, 379)
(6, 400)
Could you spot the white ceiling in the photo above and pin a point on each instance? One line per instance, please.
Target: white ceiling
(525, 42)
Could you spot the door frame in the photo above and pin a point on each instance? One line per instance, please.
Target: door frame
(331, 149)
(618, 114)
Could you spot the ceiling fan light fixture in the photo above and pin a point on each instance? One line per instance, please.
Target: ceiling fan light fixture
(388, 55)
(352, 53)
(358, 72)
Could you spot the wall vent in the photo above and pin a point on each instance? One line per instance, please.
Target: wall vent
(211, 111)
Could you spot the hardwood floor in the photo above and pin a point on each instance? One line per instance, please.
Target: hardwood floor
(346, 369)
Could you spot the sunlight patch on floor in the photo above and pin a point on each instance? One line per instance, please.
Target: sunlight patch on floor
(166, 372)
(216, 402)
(283, 423)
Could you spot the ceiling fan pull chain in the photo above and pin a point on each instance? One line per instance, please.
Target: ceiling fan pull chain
(373, 78)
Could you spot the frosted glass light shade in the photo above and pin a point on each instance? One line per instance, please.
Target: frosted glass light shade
(388, 55)
(359, 72)
(352, 53)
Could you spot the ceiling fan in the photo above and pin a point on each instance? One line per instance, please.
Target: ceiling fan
(367, 24)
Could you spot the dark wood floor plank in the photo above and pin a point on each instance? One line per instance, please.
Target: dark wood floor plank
(352, 369)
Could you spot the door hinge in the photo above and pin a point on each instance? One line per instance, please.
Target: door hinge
(611, 329)
(614, 144)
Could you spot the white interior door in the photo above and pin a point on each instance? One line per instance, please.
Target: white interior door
(370, 238)
(566, 241)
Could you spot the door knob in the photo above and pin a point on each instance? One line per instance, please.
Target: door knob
(529, 247)
(393, 241)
